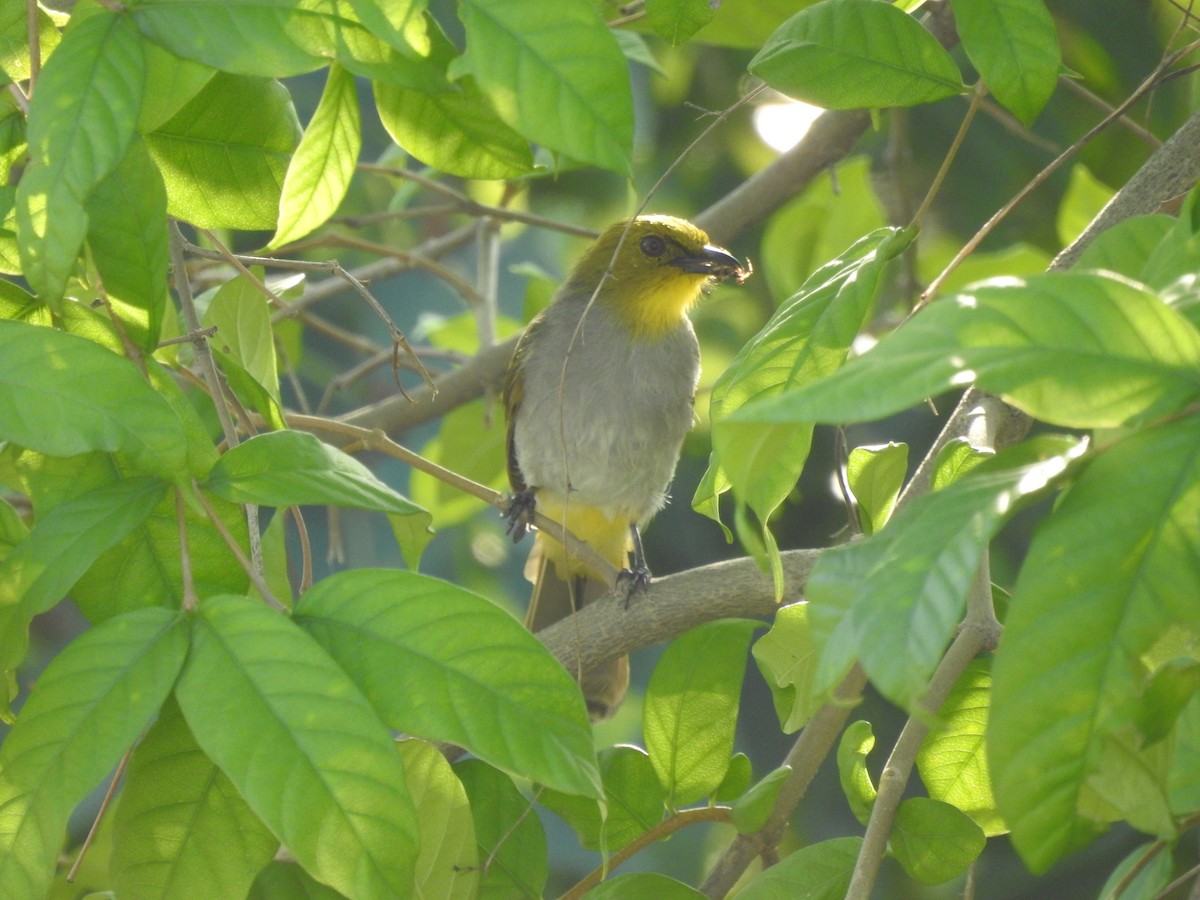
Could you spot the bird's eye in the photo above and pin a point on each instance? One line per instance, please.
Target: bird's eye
(653, 245)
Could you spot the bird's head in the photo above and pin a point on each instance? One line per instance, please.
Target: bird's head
(656, 267)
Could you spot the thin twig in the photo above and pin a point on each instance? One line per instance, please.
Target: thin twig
(190, 598)
(306, 568)
(104, 804)
(977, 96)
(376, 440)
(255, 575)
(665, 828)
(35, 43)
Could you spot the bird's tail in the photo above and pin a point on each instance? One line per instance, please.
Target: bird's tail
(555, 598)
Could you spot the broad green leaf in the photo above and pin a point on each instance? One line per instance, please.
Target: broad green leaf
(691, 708)
(787, 659)
(1080, 350)
(806, 339)
(499, 692)
(1183, 781)
(250, 391)
(177, 815)
(678, 20)
(225, 154)
(1086, 195)
(89, 706)
(1126, 247)
(831, 214)
(457, 132)
(556, 74)
(12, 529)
(448, 865)
(293, 468)
(751, 811)
(952, 759)
(933, 841)
(1091, 598)
(857, 741)
(894, 599)
(875, 475)
(508, 833)
(287, 881)
(127, 239)
(171, 83)
(41, 569)
(643, 886)
(851, 54)
(100, 401)
(1150, 879)
(464, 444)
(1177, 255)
(1014, 45)
(242, 318)
(320, 170)
(633, 800)
(81, 120)
(1170, 688)
(13, 150)
(14, 40)
(956, 459)
(1130, 784)
(816, 872)
(302, 745)
(737, 779)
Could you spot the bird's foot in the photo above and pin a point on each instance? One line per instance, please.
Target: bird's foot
(634, 582)
(519, 513)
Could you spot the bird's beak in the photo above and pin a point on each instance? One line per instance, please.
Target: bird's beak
(714, 261)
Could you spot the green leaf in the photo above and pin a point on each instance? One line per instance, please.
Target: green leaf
(1183, 780)
(816, 872)
(643, 886)
(448, 863)
(894, 600)
(171, 82)
(737, 779)
(556, 74)
(254, 37)
(464, 444)
(633, 801)
(506, 831)
(12, 529)
(100, 401)
(1086, 195)
(678, 20)
(62, 545)
(89, 706)
(856, 743)
(952, 759)
(1126, 247)
(1014, 45)
(1090, 600)
(751, 811)
(127, 238)
(81, 120)
(177, 814)
(1130, 784)
(876, 475)
(293, 468)
(1150, 879)
(242, 317)
(14, 40)
(956, 459)
(1080, 350)
(787, 659)
(806, 339)
(302, 745)
(225, 154)
(691, 708)
(320, 170)
(499, 692)
(933, 841)
(458, 131)
(287, 881)
(852, 54)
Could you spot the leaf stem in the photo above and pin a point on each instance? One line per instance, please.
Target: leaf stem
(977, 95)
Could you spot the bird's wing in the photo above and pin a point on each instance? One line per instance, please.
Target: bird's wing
(514, 390)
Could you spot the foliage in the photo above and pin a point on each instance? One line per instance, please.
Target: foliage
(287, 735)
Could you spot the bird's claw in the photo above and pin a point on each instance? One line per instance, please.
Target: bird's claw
(519, 513)
(633, 581)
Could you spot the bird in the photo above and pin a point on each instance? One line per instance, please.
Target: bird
(598, 397)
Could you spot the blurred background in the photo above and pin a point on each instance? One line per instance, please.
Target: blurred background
(1109, 44)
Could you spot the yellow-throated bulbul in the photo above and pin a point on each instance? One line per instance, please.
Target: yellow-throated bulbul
(599, 396)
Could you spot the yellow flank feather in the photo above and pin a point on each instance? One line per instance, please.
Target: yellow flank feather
(607, 535)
